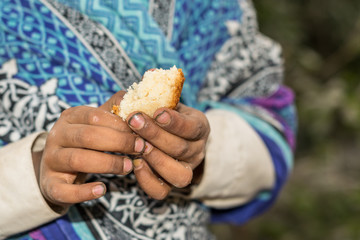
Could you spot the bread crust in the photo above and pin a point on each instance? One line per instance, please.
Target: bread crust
(178, 89)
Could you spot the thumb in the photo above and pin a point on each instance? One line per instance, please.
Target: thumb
(114, 100)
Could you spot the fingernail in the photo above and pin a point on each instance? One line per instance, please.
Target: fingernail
(127, 165)
(98, 190)
(137, 162)
(139, 145)
(148, 147)
(137, 121)
(163, 118)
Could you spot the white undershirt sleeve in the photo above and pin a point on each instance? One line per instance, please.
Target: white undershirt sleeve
(237, 165)
(22, 205)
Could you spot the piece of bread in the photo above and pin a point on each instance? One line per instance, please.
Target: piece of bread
(158, 88)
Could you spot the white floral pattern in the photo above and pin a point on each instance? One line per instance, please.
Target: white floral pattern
(25, 108)
(248, 64)
(126, 212)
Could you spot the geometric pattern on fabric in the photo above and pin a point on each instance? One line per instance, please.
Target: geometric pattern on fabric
(199, 32)
(136, 31)
(105, 46)
(248, 64)
(126, 212)
(46, 48)
(200, 29)
(25, 108)
(162, 12)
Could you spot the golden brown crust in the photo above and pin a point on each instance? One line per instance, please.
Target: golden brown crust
(115, 109)
(177, 91)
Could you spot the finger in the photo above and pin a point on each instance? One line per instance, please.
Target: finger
(173, 145)
(114, 100)
(154, 186)
(60, 192)
(187, 123)
(97, 138)
(94, 116)
(87, 161)
(177, 173)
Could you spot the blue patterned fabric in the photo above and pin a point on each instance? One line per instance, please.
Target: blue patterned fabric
(56, 54)
(45, 48)
(194, 43)
(200, 33)
(134, 28)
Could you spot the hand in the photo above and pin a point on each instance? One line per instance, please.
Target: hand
(77, 144)
(175, 146)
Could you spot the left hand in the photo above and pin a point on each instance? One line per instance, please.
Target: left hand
(174, 147)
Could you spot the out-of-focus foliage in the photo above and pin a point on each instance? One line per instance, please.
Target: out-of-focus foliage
(321, 42)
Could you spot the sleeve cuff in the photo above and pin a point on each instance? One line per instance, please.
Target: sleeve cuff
(245, 163)
(22, 205)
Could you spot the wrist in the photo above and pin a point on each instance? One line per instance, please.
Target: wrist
(36, 158)
(37, 149)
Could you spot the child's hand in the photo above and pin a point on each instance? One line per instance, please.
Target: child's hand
(76, 145)
(175, 147)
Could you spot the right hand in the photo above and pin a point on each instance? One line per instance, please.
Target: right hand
(77, 144)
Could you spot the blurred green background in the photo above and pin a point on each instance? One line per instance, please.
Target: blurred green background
(321, 41)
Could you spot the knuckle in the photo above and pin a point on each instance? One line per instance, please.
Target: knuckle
(181, 149)
(125, 143)
(67, 112)
(52, 136)
(200, 156)
(43, 186)
(74, 161)
(198, 130)
(202, 127)
(151, 131)
(113, 165)
(93, 116)
(54, 194)
(82, 136)
(179, 123)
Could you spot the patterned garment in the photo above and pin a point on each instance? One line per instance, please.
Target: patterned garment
(55, 54)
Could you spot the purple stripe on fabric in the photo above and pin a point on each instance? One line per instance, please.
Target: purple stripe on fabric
(280, 107)
(281, 98)
(37, 235)
(288, 130)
